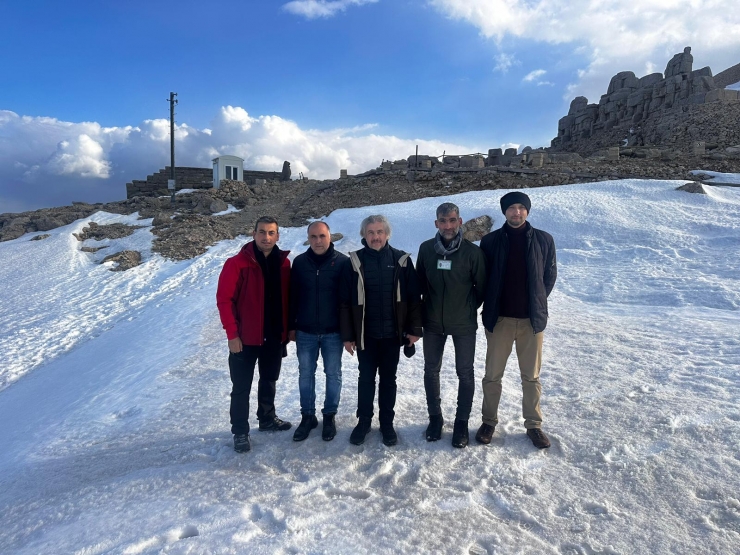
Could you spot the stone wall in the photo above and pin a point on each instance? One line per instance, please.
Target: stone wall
(630, 103)
(251, 176)
(155, 185)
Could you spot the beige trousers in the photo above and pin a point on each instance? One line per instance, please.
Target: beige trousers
(506, 332)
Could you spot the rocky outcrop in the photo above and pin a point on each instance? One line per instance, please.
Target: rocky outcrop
(40, 237)
(335, 237)
(659, 100)
(693, 187)
(476, 228)
(109, 231)
(125, 260)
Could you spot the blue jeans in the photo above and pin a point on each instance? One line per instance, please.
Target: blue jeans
(308, 346)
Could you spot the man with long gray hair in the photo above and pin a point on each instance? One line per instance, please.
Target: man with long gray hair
(379, 311)
(452, 278)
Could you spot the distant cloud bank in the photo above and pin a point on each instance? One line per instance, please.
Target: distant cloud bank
(48, 162)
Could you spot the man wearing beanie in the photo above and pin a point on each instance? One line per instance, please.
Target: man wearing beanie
(521, 272)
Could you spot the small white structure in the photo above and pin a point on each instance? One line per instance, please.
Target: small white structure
(227, 167)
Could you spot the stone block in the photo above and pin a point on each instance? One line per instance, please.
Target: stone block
(342, 174)
(722, 95)
(387, 165)
(636, 98)
(650, 80)
(472, 162)
(577, 104)
(536, 159)
(510, 152)
(612, 153)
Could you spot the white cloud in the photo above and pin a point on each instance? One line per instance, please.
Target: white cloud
(504, 62)
(614, 37)
(312, 9)
(81, 156)
(534, 75)
(48, 162)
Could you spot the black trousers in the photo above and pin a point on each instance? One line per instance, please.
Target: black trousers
(380, 356)
(268, 357)
(434, 346)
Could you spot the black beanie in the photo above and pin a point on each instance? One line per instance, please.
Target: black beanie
(515, 197)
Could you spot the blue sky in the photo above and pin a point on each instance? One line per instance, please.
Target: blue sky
(324, 84)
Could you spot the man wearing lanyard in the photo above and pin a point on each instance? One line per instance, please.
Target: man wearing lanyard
(452, 278)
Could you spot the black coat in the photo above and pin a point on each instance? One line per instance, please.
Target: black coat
(406, 303)
(314, 292)
(542, 272)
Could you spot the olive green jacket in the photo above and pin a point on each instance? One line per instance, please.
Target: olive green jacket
(450, 298)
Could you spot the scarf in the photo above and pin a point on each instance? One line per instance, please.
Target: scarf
(440, 248)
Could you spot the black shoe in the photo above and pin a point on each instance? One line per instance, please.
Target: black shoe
(361, 430)
(485, 433)
(308, 423)
(330, 428)
(460, 436)
(434, 430)
(274, 425)
(390, 437)
(241, 443)
(538, 437)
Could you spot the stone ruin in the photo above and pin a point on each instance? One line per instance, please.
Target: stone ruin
(155, 185)
(630, 101)
(499, 158)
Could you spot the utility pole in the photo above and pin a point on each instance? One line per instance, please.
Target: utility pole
(171, 182)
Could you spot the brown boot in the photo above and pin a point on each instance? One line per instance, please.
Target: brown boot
(538, 437)
(485, 433)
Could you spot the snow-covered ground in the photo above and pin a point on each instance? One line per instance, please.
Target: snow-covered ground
(114, 413)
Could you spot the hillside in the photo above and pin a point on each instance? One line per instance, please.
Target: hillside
(115, 403)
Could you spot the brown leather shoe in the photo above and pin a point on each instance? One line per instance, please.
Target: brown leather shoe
(538, 437)
(485, 433)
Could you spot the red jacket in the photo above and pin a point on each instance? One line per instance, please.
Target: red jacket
(241, 293)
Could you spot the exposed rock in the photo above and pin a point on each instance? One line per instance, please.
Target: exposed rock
(693, 187)
(162, 218)
(109, 231)
(335, 237)
(40, 237)
(46, 223)
(476, 228)
(218, 206)
(93, 249)
(125, 259)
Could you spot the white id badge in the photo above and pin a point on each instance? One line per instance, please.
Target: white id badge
(444, 264)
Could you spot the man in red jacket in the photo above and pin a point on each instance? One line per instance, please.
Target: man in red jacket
(252, 299)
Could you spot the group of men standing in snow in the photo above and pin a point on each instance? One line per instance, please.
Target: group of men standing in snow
(376, 303)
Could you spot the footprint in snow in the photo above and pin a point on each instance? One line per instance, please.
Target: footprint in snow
(336, 492)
